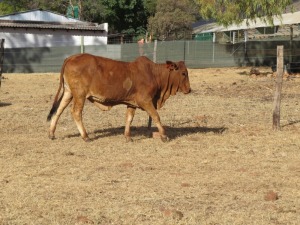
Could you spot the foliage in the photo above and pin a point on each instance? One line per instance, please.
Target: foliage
(227, 12)
(10, 6)
(127, 16)
(173, 19)
(123, 16)
(165, 18)
(150, 6)
(89, 10)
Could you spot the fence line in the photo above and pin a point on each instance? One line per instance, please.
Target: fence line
(196, 54)
(1, 58)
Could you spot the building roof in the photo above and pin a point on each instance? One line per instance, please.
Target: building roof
(52, 25)
(38, 15)
(285, 19)
(43, 19)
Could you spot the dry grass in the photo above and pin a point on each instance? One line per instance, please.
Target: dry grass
(222, 160)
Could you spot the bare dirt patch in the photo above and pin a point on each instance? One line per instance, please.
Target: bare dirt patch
(223, 164)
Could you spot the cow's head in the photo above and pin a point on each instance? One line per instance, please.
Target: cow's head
(179, 77)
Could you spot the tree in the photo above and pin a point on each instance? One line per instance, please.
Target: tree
(150, 6)
(10, 6)
(123, 16)
(227, 12)
(126, 16)
(89, 10)
(173, 19)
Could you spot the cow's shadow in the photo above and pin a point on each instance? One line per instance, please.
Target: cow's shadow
(291, 123)
(2, 104)
(144, 132)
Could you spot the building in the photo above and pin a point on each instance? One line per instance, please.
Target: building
(285, 26)
(254, 43)
(39, 40)
(252, 30)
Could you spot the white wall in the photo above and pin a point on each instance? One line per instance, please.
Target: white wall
(30, 38)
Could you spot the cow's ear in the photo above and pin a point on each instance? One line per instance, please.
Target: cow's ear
(171, 65)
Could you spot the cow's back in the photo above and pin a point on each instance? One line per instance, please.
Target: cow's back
(107, 79)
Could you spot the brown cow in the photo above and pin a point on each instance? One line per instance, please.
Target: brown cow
(106, 82)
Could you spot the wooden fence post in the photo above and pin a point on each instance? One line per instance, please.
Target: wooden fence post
(82, 44)
(1, 58)
(154, 51)
(277, 95)
(154, 60)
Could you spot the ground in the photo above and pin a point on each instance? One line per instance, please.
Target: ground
(224, 164)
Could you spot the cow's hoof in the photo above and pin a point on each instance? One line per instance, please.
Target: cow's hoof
(164, 138)
(51, 137)
(128, 139)
(87, 139)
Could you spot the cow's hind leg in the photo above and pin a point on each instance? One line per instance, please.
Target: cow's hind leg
(77, 115)
(66, 99)
(129, 117)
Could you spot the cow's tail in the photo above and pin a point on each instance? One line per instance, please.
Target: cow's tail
(57, 99)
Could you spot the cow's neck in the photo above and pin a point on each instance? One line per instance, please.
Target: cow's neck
(164, 82)
(162, 74)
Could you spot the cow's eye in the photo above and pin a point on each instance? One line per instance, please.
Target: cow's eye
(184, 73)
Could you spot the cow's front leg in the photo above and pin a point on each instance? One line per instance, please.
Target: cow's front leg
(129, 117)
(149, 108)
(77, 115)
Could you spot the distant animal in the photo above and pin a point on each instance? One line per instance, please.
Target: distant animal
(105, 82)
(255, 71)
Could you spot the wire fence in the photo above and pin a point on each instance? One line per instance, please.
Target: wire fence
(195, 53)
